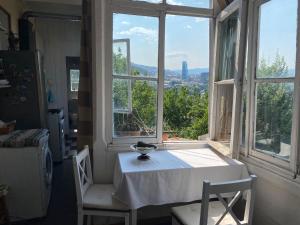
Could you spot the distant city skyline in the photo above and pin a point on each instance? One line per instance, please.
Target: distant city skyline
(185, 71)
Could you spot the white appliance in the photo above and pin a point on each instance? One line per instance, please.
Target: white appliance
(57, 136)
(28, 173)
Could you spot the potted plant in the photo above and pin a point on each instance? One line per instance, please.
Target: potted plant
(128, 127)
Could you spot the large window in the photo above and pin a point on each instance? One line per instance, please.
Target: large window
(135, 75)
(227, 76)
(160, 70)
(186, 78)
(274, 78)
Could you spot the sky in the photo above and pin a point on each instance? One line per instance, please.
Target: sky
(187, 38)
(278, 29)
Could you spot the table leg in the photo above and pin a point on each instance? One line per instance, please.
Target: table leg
(133, 217)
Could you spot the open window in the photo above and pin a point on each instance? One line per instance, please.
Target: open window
(228, 71)
(273, 131)
(134, 76)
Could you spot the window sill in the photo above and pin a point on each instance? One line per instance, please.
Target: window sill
(162, 146)
(268, 167)
(221, 147)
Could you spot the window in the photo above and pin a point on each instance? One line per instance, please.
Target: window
(227, 76)
(74, 79)
(274, 79)
(145, 59)
(135, 75)
(186, 78)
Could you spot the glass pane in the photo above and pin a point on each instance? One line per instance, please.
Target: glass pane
(186, 78)
(277, 39)
(191, 3)
(228, 38)
(121, 90)
(142, 119)
(120, 57)
(141, 35)
(224, 112)
(74, 75)
(274, 106)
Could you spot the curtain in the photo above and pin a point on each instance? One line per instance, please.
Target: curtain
(85, 106)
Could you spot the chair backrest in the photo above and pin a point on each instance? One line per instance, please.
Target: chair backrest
(82, 173)
(238, 187)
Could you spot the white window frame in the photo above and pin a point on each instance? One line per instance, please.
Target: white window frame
(143, 9)
(283, 167)
(241, 6)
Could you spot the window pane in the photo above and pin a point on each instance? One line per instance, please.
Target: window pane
(274, 105)
(74, 75)
(228, 32)
(186, 78)
(141, 34)
(277, 39)
(141, 120)
(121, 90)
(191, 3)
(120, 57)
(224, 112)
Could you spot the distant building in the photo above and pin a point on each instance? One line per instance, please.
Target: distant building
(185, 71)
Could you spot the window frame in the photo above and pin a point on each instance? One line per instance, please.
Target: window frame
(237, 5)
(141, 8)
(249, 150)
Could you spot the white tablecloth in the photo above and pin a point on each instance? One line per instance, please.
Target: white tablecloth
(171, 176)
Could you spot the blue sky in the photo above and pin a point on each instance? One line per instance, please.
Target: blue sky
(187, 38)
(278, 29)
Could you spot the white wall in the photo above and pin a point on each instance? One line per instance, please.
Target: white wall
(59, 39)
(278, 199)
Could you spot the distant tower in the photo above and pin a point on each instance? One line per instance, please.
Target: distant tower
(185, 72)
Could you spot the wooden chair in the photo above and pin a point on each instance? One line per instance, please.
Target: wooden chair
(218, 212)
(95, 199)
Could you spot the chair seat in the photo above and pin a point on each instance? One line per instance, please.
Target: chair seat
(190, 214)
(99, 196)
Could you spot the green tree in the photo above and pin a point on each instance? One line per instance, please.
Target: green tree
(186, 111)
(144, 105)
(119, 62)
(274, 106)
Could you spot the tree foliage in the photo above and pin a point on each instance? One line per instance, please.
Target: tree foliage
(185, 108)
(274, 106)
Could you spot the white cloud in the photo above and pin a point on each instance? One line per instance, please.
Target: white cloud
(149, 34)
(188, 27)
(176, 54)
(200, 19)
(174, 2)
(125, 22)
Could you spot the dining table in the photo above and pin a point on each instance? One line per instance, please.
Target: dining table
(171, 176)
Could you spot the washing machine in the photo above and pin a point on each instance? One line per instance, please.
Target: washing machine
(28, 173)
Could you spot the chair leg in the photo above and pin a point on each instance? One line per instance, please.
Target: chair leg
(133, 217)
(80, 218)
(127, 219)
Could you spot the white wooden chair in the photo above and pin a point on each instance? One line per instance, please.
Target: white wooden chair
(218, 212)
(95, 199)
